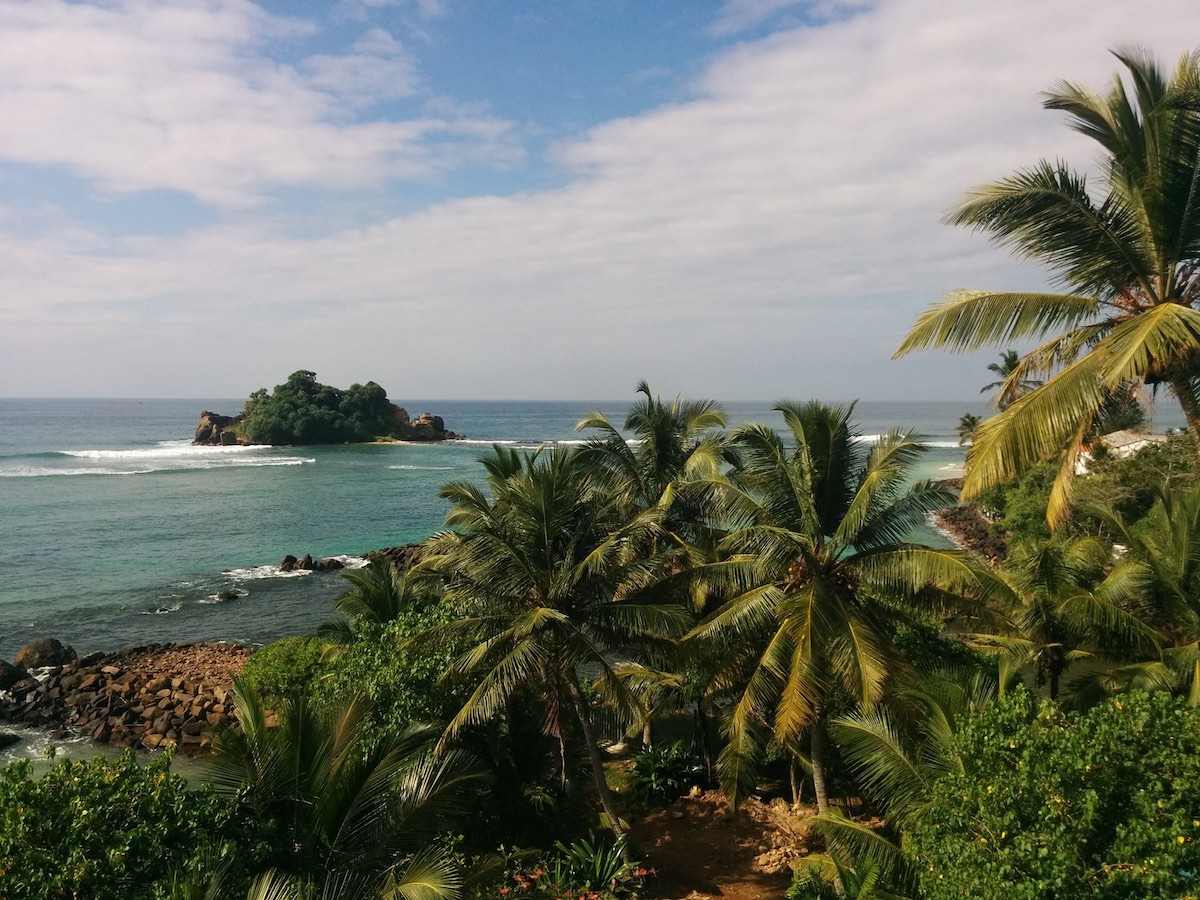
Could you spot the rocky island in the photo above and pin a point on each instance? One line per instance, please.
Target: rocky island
(304, 411)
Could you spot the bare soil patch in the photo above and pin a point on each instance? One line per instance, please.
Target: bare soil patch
(701, 850)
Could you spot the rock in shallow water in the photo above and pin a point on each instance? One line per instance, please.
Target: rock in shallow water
(44, 652)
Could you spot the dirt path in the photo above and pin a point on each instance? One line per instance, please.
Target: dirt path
(701, 851)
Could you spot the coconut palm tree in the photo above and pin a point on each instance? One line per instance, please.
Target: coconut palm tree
(820, 570)
(669, 446)
(542, 566)
(1127, 257)
(968, 424)
(379, 593)
(667, 462)
(895, 752)
(1054, 604)
(1161, 565)
(1008, 389)
(362, 814)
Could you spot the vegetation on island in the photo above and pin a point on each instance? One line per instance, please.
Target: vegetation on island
(304, 411)
(750, 608)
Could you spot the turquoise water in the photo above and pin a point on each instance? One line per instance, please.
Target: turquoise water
(115, 531)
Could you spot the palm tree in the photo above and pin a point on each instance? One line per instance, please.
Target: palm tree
(672, 453)
(378, 593)
(669, 446)
(968, 425)
(1161, 566)
(542, 567)
(820, 571)
(1055, 604)
(1128, 259)
(896, 755)
(363, 813)
(1007, 387)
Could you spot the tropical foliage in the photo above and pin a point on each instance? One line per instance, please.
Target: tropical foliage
(1125, 255)
(304, 411)
(1051, 805)
(110, 829)
(366, 813)
(818, 575)
(541, 569)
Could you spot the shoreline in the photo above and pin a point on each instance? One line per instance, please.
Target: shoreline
(149, 697)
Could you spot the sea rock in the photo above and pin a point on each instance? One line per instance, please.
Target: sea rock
(10, 675)
(403, 557)
(44, 652)
(288, 563)
(212, 429)
(7, 739)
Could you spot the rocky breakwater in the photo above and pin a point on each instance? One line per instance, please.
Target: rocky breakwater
(160, 695)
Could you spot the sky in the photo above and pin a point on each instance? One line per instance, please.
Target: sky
(520, 199)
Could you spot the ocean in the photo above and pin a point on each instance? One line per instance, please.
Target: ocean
(115, 531)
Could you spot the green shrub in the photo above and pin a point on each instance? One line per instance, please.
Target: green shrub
(591, 869)
(665, 772)
(1100, 805)
(285, 669)
(106, 829)
(304, 411)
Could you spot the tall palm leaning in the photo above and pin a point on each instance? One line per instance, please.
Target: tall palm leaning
(820, 571)
(1126, 255)
(541, 568)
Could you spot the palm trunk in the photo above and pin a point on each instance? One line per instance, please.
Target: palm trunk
(1181, 387)
(597, 761)
(820, 785)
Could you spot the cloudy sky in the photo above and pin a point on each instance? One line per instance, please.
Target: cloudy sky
(518, 198)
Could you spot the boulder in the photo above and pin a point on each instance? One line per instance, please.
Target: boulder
(44, 652)
(288, 564)
(7, 739)
(10, 675)
(213, 429)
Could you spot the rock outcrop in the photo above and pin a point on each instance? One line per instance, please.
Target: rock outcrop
(45, 652)
(216, 430)
(290, 564)
(155, 696)
(403, 557)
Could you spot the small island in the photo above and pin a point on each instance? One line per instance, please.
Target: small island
(304, 411)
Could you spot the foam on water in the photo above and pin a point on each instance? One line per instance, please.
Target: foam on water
(165, 450)
(424, 468)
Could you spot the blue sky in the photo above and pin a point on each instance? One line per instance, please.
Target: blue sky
(518, 198)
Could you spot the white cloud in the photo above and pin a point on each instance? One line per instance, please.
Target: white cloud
(776, 235)
(140, 95)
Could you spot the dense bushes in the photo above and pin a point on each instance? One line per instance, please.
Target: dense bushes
(304, 411)
(107, 829)
(1102, 804)
(284, 669)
